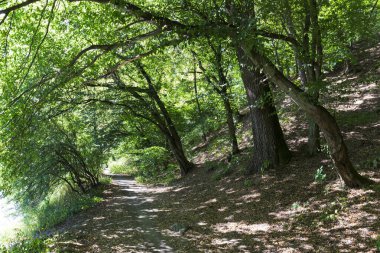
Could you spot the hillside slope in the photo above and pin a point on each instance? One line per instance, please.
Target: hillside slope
(223, 210)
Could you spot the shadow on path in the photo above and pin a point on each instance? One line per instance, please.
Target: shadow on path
(124, 222)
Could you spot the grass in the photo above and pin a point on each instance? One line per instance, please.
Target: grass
(153, 165)
(377, 243)
(353, 119)
(122, 166)
(56, 208)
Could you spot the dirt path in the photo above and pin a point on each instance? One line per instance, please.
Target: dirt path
(125, 222)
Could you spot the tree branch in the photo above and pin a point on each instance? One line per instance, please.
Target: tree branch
(17, 6)
(279, 37)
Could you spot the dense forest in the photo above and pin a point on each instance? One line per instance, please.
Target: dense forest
(145, 88)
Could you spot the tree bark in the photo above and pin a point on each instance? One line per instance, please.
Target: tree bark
(231, 124)
(270, 149)
(316, 61)
(319, 114)
(176, 147)
(200, 113)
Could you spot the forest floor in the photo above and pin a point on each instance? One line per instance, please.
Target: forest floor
(223, 210)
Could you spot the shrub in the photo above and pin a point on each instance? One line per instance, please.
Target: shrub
(31, 245)
(149, 165)
(57, 207)
(319, 176)
(123, 165)
(154, 165)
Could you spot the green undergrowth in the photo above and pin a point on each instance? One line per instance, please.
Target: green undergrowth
(30, 245)
(34, 236)
(58, 207)
(377, 243)
(353, 119)
(123, 165)
(153, 165)
(223, 169)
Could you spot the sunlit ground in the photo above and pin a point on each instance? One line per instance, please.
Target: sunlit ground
(9, 219)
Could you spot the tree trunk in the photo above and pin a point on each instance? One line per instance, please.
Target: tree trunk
(308, 64)
(168, 129)
(200, 113)
(176, 147)
(319, 114)
(270, 149)
(231, 124)
(317, 61)
(313, 140)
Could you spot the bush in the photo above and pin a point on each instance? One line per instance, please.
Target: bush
(154, 165)
(149, 165)
(57, 207)
(378, 243)
(320, 176)
(32, 245)
(123, 165)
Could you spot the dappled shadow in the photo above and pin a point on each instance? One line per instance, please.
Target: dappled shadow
(125, 222)
(282, 210)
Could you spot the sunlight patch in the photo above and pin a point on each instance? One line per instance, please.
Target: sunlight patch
(214, 200)
(225, 241)
(241, 227)
(250, 197)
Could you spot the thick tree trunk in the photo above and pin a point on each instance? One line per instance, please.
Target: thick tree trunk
(319, 114)
(231, 125)
(270, 149)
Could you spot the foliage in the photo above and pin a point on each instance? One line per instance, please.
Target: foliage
(265, 166)
(33, 245)
(248, 183)
(333, 210)
(296, 205)
(225, 170)
(123, 165)
(53, 155)
(149, 165)
(57, 207)
(377, 243)
(222, 172)
(320, 176)
(76, 90)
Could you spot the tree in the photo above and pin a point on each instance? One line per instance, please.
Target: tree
(152, 27)
(120, 89)
(36, 160)
(216, 77)
(271, 149)
(308, 57)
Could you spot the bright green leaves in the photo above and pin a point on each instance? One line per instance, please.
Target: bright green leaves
(345, 22)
